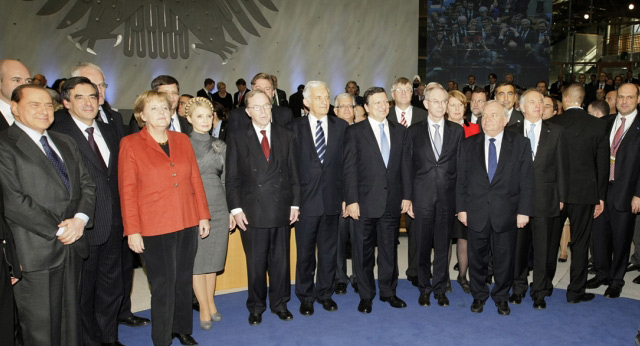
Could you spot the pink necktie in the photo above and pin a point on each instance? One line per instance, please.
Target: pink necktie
(614, 149)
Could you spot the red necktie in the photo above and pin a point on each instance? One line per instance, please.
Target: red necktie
(403, 120)
(240, 98)
(614, 149)
(265, 144)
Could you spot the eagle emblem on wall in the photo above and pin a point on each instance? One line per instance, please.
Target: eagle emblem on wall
(160, 28)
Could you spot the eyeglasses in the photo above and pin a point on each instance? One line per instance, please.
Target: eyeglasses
(439, 103)
(403, 90)
(264, 107)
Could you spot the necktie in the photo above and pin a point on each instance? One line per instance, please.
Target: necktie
(171, 127)
(265, 145)
(56, 161)
(321, 146)
(403, 120)
(493, 159)
(614, 149)
(94, 146)
(384, 146)
(240, 98)
(532, 138)
(437, 140)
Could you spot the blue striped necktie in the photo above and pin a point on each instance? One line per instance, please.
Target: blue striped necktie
(493, 159)
(56, 161)
(321, 146)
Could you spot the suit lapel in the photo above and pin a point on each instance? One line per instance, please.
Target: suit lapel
(426, 135)
(373, 143)
(545, 135)
(505, 151)
(332, 141)
(632, 132)
(112, 143)
(83, 144)
(480, 155)
(395, 143)
(69, 162)
(254, 147)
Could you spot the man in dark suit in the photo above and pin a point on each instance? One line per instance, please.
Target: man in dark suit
(263, 193)
(506, 95)
(106, 114)
(555, 87)
(296, 102)
(13, 73)
(551, 169)
(238, 119)
(630, 78)
(171, 87)
(10, 273)
(417, 100)
(319, 140)
(377, 191)
(612, 241)
(588, 172)
(494, 198)
(406, 115)
(49, 198)
(206, 91)
(471, 86)
(491, 87)
(102, 281)
(434, 151)
(280, 98)
(238, 97)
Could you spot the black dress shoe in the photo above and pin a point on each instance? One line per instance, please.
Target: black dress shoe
(477, 306)
(448, 289)
(442, 299)
(585, 297)
(562, 260)
(637, 280)
(115, 343)
(365, 306)
(503, 308)
(633, 267)
(424, 299)
(464, 283)
(489, 279)
(516, 298)
(612, 292)
(329, 304)
(185, 339)
(255, 319)
(456, 267)
(394, 301)
(594, 282)
(539, 303)
(134, 321)
(306, 308)
(341, 288)
(284, 315)
(195, 306)
(413, 280)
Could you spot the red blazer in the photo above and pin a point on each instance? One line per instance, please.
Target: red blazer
(159, 194)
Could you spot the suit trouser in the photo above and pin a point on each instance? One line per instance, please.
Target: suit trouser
(345, 232)
(48, 304)
(102, 290)
(368, 232)
(169, 260)
(612, 243)
(127, 280)
(635, 258)
(7, 305)
(432, 229)
(554, 247)
(267, 250)
(537, 231)
(503, 247)
(581, 219)
(312, 232)
(412, 244)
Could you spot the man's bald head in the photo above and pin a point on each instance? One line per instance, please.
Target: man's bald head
(13, 73)
(572, 96)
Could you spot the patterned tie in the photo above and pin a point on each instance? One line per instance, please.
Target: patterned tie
(265, 145)
(614, 149)
(493, 159)
(437, 140)
(171, 127)
(532, 138)
(94, 146)
(56, 161)
(321, 146)
(403, 120)
(384, 146)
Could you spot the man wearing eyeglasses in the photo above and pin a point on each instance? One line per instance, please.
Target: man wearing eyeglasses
(406, 115)
(263, 193)
(13, 73)
(377, 191)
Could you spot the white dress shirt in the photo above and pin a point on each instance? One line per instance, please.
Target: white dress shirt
(97, 136)
(474, 118)
(103, 115)
(176, 122)
(498, 144)
(536, 130)
(313, 123)
(627, 124)
(5, 108)
(408, 114)
(375, 125)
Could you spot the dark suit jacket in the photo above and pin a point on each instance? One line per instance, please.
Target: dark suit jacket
(516, 118)
(490, 95)
(236, 96)
(296, 104)
(320, 183)
(204, 93)
(431, 177)
(239, 120)
(417, 116)
(3, 123)
(282, 98)
(185, 126)
(265, 191)
(223, 130)
(551, 168)
(626, 183)
(510, 193)
(589, 155)
(226, 101)
(366, 179)
(36, 200)
(107, 212)
(8, 246)
(115, 119)
(417, 103)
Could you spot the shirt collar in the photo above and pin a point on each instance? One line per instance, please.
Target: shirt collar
(35, 135)
(376, 123)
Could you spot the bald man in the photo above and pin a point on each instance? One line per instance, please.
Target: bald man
(13, 73)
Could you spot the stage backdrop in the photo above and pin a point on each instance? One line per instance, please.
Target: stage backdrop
(371, 42)
(480, 37)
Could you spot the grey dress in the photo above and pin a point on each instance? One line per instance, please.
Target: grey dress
(212, 250)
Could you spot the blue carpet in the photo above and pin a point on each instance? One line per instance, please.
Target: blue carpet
(599, 322)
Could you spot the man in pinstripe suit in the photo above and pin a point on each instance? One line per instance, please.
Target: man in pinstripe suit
(98, 142)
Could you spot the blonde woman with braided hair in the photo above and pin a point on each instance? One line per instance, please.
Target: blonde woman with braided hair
(212, 251)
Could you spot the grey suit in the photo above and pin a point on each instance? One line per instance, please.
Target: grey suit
(36, 201)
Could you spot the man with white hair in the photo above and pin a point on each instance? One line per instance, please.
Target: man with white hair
(319, 141)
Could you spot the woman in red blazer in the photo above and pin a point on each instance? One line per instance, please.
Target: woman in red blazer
(164, 207)
(455, 112)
